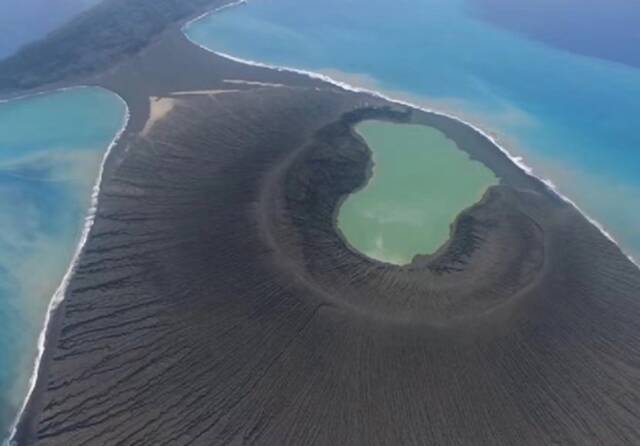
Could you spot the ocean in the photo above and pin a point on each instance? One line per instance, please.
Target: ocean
(51, 150)
(22, 22)
(568, 110)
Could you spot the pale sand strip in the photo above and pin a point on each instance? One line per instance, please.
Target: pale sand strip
(159, 108)
(207, 92)
(256, 83)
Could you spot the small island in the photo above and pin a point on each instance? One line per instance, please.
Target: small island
(217, 301)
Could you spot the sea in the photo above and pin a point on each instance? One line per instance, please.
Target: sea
(553, 82)
(24, 21)
(51, 151)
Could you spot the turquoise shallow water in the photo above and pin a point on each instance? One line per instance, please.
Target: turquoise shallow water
(573, 118)
(51, 147)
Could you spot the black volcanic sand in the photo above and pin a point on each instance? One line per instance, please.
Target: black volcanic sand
(215, 302)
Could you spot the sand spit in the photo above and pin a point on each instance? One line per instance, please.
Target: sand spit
(137, 91)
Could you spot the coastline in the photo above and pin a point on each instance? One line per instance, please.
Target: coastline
(58, 296)
(517, 160)
(46, 92)
(211, 12)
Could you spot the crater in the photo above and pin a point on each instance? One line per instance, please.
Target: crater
(493, 251)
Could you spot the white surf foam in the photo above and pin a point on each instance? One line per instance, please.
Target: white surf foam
(60, 292)
(517, 160)
(213, 11)
(43, 93)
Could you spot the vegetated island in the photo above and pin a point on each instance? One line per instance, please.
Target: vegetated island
(216, 303)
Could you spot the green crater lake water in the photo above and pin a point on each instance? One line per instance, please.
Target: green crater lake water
(421, 181)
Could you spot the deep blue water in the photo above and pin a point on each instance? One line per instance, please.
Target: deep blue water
(22, 21)
(573, 118)
(51, 147)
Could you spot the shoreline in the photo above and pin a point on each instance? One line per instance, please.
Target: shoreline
(517, 160)
(34, 94)
(211, 12)
(59, 294)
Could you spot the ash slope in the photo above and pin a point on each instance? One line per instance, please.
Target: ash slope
(215, 302)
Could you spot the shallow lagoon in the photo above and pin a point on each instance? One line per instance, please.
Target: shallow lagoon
(420, 183)
(572, 118)
(51, 148)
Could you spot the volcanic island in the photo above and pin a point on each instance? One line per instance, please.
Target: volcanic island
(216, 302)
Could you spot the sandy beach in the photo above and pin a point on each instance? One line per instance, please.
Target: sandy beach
(158, 109)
